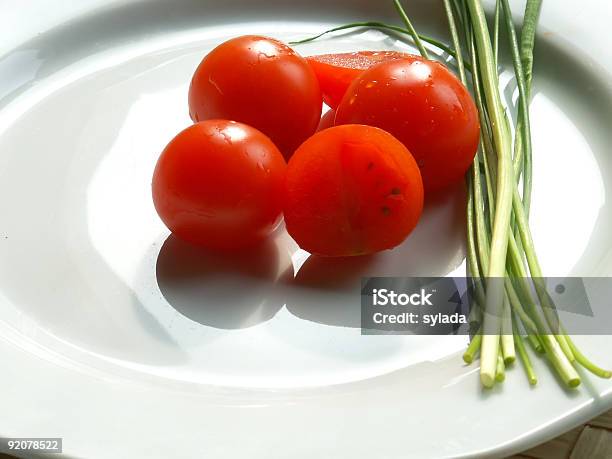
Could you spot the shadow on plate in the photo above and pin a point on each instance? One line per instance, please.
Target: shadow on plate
(228, 291)
(318, 291)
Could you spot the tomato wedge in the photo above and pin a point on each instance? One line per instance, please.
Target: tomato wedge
(336, 72)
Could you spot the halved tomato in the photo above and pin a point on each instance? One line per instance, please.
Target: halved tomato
(336, 72)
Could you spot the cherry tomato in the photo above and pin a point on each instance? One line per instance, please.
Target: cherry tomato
(218, 184)
(425, 107)
(327, 120)
(336, 72)
(351, 190)
(261, 82)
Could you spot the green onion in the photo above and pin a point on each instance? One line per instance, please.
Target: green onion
(489, 352)
(410, 28)
(496, 32)
(507, 336)
(470, 352)
(586, 363)
(500, 369)
(524, 357)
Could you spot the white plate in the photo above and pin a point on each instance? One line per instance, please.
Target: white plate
(129, 344)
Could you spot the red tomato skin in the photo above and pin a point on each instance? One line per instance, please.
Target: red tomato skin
(218, 184)
(351, 190)
(261, 82)
(327, 120)
(336, 72)
(425, 107)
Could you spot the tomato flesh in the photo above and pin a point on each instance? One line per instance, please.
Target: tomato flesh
(424, 106)
(261, 82)
(218, 184)
(336, 72)
(351, 190)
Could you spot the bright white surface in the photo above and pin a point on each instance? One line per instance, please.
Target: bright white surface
(131, 332)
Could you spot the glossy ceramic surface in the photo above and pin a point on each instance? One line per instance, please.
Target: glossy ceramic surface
(111, 328)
